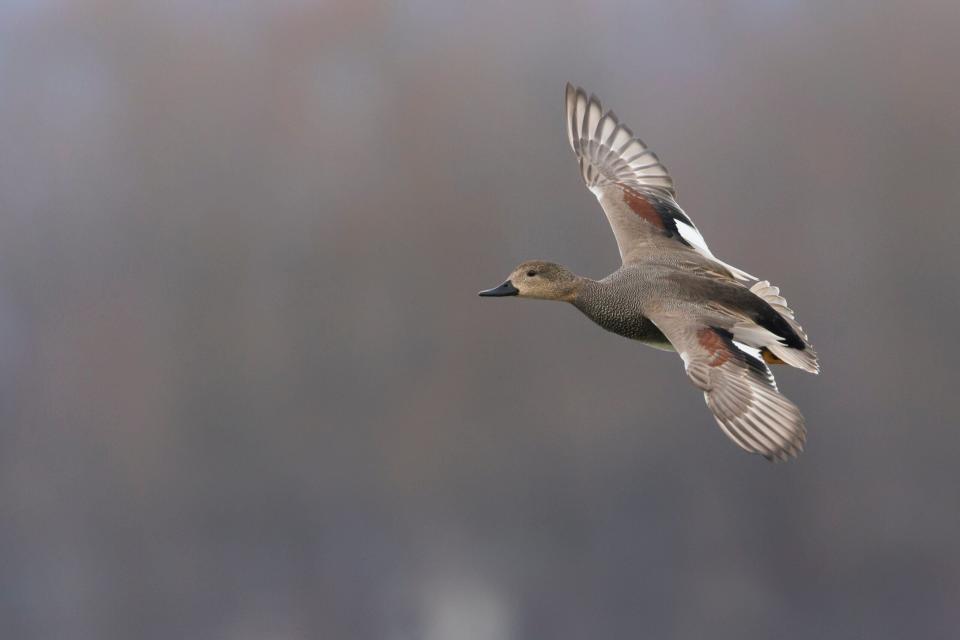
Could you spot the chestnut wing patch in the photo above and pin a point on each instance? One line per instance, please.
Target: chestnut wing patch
(721, 347)
(664, 214)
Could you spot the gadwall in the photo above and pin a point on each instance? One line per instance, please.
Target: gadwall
(672, 293)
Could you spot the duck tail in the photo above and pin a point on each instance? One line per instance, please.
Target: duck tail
(801, 356)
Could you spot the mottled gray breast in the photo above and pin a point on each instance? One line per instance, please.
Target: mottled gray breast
(615, 303)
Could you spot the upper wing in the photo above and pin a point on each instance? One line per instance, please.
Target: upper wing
(738, 387)
(632, 185)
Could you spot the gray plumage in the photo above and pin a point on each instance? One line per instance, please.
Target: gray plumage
(672, 293)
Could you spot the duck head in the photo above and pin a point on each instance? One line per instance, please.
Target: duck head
(539, 279)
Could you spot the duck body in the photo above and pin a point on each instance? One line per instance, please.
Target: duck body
(624, 301)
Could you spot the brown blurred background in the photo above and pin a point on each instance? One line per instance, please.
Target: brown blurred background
(247, 389)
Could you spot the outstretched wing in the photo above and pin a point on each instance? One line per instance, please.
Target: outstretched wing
(739, 389)
(632, 185)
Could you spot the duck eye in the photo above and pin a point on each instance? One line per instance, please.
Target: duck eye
(531, 273)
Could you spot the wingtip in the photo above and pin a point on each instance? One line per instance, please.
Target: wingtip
(787, 454)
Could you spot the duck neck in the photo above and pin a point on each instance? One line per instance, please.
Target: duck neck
(584, 293)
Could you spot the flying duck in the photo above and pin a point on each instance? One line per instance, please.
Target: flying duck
(672, 293)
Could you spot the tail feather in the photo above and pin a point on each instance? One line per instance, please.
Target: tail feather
(805, 358)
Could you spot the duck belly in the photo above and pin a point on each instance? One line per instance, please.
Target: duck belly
(653, 337)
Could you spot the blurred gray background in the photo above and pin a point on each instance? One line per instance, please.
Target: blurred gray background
(247, 389)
